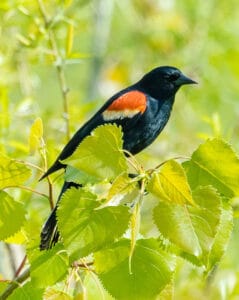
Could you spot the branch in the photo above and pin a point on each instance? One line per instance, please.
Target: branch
(14, 284)
(21, 266)
(50, 189)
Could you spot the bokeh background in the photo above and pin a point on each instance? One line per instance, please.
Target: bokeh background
(103, 46)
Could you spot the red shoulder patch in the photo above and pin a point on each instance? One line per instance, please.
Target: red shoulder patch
(126, 106)
(131, 100)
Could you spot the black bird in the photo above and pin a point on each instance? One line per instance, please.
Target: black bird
(142, 110)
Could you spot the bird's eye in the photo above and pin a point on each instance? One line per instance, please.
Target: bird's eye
(173, 76)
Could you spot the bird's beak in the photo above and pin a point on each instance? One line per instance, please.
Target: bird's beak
(184, 80)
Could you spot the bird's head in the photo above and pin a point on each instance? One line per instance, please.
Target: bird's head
(163, 82)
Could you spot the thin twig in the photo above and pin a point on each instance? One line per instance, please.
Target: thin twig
(59, 61)
(132, 160)
(21, 266)
(150, 171)
(30, 165)
(14, 284)
(82, 264)
(50, 189)
(26, 189)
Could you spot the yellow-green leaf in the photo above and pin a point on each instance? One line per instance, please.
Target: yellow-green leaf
(214, 163)
(26, 292)
(100, 155)
(53, 294)
(36, 133)
(121, 186)
(85, 227)
(12, 216)
(48, 267)
(222, 237)
(170, 184)
(12, 172)
(18, 238)
(152, 269)
(191, 228)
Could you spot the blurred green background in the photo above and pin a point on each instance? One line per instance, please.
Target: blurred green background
(103, 46)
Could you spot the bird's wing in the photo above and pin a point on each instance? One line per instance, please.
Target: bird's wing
(127, 104)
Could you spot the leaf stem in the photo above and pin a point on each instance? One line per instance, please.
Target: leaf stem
(132, 161)
(150, 171)
(26, 189)
(50, 187)
(135, 223)
(30, 165)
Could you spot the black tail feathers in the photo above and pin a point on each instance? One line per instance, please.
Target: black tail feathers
(50, 233)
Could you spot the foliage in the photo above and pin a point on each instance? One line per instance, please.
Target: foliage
(191, 219)
(164, 231)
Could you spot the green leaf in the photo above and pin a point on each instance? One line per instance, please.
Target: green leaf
(170, 184)
(214, 163)
(167, 293)
(123, 190)
(48, 267)
(191, 228)
(36, 134)
(84, 227)
(12, 173)
(100, 155)
(27, 292)
(152, 269)
(53, 294)
(19, 238)
(222, 237)
(94, 288)
(75, 175)
(3, 285)
(121, 185)
(12, 215)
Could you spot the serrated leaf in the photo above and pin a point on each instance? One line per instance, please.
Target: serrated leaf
(12, 215)
(222, 237)
(53, 294)
(122, 191)
(191, 228)
(84, 227)
(36, 133)
(48, 267)
(100, 155)
(151, 269)
(214, 163)
(12, 173)
(170, 184)
(121, 185)
(167, 293)
(75, 175)
(17, 238)
(94, 289)
(26, 292)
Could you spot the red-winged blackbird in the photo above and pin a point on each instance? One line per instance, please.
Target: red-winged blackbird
(142, 110)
